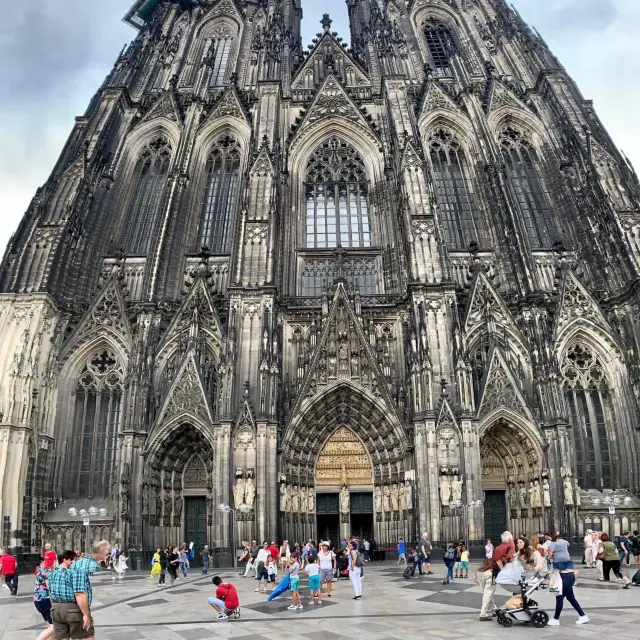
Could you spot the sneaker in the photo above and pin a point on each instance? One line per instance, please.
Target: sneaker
(299, 606)
(222, 616)
(292, 607)
(553, 622)
(429, 573)
(582, 620)
(258, 589)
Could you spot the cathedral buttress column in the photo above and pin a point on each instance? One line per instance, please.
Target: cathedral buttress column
(222, 470)
(473, 477)
(558, 450)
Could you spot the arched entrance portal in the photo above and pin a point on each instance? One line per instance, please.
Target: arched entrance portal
(344, 488)
(178, 489)
(515, 490)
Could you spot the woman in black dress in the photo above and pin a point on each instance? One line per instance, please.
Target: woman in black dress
(173, 561)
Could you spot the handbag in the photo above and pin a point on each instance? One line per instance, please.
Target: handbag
(555, 584)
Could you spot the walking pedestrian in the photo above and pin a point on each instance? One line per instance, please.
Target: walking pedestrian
(163, 566)
(184, 561)
(568, 578)
(155, 564)
(42, 596)
(484, 578)
(610, 557)
(9, 569)
(327, 565)
(206, 558)
(355, 570)
(71, 615)
(173, 564)
(449, 558)
(49, 556)
(365, 543)
(401, 551)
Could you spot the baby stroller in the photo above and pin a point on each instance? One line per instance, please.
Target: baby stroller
(342, 566)
(521, 607)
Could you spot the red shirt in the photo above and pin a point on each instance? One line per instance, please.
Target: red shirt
(50, 558)
(275, 552)
(228, 594)
(8, 565)
(504, 552)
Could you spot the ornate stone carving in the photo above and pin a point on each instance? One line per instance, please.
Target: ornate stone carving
(445, 490)
(568, 491)
(344, 500)
(377, 499)
(343, 460)
(546, 493)
(522, 495)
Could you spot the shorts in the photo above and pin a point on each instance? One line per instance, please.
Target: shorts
(427, 559)
(401, 556)
(262, 572)
(44, 609)
(456, 564)
(326, 575)
(67, 621)
(272, 577)
(221, 605)
(464, 565)
(314, 583)
(295, 584)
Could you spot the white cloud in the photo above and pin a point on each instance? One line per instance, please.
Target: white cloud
(54, 55)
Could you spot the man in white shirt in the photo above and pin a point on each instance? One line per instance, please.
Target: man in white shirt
(367, 546)
(327, 563)
(588, 541)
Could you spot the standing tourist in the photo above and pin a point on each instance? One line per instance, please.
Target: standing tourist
(155, 564)
(42, 596)
(425, 549)
(184, 561)
(206, 559)
(449, 558)
(401, 551)
(456, 564)
(610, 557)
(122, 566)
(488, 549)
(173, 564)
(327, 565)
(355, 570)
(366, 550)
(294, 577)
(313, 571)
(9, 569)
(71, 615)
(484, 578)
(464, 561)
(274, 551)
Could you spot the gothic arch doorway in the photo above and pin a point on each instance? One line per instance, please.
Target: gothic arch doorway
(512, 481)
(178, 489)
(344, 487)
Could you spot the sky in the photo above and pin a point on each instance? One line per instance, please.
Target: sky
(54, 55)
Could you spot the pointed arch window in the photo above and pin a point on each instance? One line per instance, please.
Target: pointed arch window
(220, 197)
(150, 177)
(337, 198)
(454, 191)
(97, 421)
(588, 400)
(217, 57)
(523, 169)
(441, 47)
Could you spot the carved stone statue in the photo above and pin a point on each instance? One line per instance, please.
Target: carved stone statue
(409, 492)
(395, 497)
(377, 499)
(311, 501)
(568, 492)
(283, 493)
(386, 499)
(536, 497)
(402, 497)
(249, 492)
(287, 498)
(445, 491)
(530, 491)
(546, 493)
(513, 496)
(295, 499)
(344, 500)
(522, 496)
(238, 492)
(304, 507)
(456, 489)
(578, 498)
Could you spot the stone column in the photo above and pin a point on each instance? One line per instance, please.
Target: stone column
(261, 482)
(271, 482)
(557, 453)
(472, 477)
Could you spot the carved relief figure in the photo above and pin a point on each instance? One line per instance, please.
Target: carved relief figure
(386, 499)
(536, 497)
(295, 499)
(283, 497)
(394, 497)
(249, 492)
(409, 491)
(311, 501)
(377, 499)
(456, 489)
(578, 498)
(238, 491)
(522, 495)
(568, 492)
(304, 507)
(344, 500)
(445, 491)
(546, 492)
(513, 496)
(402, 497)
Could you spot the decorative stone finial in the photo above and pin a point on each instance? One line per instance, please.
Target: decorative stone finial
(326, 22)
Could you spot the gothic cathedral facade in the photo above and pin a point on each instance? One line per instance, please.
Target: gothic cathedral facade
(314, 291)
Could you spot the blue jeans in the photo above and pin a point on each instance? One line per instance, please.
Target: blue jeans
(214, 602)
(205, 568)
(568, 580)
(419, 565)
(449, 564)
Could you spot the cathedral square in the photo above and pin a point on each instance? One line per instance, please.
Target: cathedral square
(281, 290)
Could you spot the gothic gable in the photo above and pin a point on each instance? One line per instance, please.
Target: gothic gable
(436, 99)
(222, 7)
(343, 353)
(196, 314)
(500, 95)
(105, 317)
(446, 419)
(484, 302)
(332, 102)
(166, 107)
(245, 420)
(329, 52)
(186, 395)
(411, 158)
(263, 165)
(577, 304)
(500, 388)
(229, 105)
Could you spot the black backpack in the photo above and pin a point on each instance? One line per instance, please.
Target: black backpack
(636, 579)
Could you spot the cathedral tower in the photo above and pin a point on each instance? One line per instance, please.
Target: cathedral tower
(376, 289)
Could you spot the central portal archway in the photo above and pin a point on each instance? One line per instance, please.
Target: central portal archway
(512, 480)
(344, 488)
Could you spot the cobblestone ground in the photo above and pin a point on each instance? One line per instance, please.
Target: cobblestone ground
(391, 607)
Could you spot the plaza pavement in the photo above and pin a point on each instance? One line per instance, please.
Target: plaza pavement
(391, 608)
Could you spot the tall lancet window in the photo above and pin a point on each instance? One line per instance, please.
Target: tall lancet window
(220, 198)
(588, 399)
(337, 195)
(523, 167)
(97, 418)
(150, 178)
(454, 191)
(441, 47)
(218, 57)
